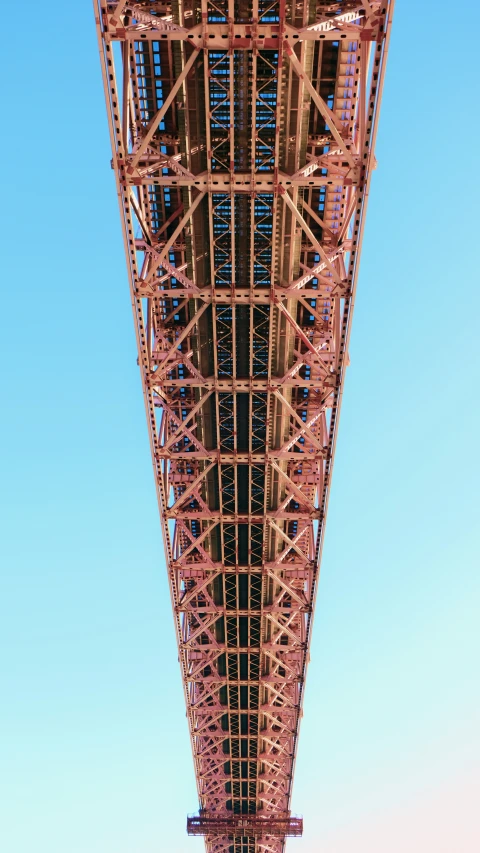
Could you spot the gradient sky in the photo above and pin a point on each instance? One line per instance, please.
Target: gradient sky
(94, 754)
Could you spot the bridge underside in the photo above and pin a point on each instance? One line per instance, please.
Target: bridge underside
(243, 136)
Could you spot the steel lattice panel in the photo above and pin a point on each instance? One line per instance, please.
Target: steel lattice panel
(243, 138)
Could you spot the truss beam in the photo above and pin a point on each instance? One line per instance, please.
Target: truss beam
(242, 147)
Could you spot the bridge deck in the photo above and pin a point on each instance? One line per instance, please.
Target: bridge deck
(243, 137)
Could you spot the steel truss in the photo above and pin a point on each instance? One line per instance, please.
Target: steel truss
(243, 138)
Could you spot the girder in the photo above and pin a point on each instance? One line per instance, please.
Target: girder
(242, 138)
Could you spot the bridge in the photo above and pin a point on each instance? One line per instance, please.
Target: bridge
(243, 138)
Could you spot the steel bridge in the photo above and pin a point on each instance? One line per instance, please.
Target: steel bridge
(243, 135)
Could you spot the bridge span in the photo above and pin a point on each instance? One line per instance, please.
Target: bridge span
(243, 136)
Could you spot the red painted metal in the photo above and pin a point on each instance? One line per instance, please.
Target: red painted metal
(243, 138)
(246, 826)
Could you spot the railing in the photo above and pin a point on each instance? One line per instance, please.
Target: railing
(245, 825)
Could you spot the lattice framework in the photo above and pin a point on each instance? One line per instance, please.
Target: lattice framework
(243, 138)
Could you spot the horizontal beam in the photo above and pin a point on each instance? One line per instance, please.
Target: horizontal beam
(242, 458)
(239, 36)
(237, 182)
(258, 296)
(241, 385)
(242, 518)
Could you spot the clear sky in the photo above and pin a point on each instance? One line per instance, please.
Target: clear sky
(94, 753)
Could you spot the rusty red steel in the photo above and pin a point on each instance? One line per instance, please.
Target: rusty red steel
(248, 826)
(243, 140)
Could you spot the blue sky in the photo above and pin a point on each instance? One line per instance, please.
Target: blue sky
(94, 749)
